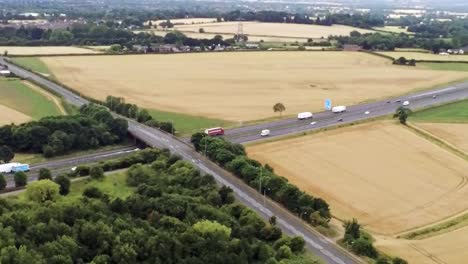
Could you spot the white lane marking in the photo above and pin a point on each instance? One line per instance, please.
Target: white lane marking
(434, 92)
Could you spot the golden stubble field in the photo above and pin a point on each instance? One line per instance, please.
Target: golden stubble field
(8, 116)
(453, 133)
(424, 56)
(242, 86)
(383, 174)
(198, 35)
(274, 29)
(52, 50)
(449, 247)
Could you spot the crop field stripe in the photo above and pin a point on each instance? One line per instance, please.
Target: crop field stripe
(18, 96)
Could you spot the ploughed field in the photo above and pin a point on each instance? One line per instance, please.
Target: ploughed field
(242, 86)
(383, 174)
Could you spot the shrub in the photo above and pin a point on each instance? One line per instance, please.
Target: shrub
(96, 173)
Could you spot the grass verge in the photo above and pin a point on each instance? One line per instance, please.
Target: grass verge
(34, 64)
(16, 95)
(449, 113)
(438, 229)
(445, 66)
(186, 125)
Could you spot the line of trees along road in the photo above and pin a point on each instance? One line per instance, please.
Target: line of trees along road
(58, 135)
(233, 157)
(173, 215)
(313, 210)
(118, 105)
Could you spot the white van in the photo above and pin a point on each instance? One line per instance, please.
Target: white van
(304, 115)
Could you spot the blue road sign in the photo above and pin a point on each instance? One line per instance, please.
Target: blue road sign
(328, 104)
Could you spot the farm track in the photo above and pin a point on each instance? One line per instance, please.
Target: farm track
(427, 254)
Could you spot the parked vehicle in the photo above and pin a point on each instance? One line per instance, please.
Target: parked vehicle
(405, 103)
(216, 131)
(13, 167)
(265, 133)
(339, 109)
(304, 115)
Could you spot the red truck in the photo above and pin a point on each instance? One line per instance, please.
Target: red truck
(216, 131)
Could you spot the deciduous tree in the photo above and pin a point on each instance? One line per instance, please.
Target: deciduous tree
(279, 107)
(6, 155)
(41, 191)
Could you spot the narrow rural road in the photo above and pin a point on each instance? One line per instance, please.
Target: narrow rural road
(323, 247)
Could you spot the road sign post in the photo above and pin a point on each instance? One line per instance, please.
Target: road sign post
(328, 104)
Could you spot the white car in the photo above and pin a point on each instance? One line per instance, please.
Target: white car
(313, 123)
(265, 133)
(405, 103)
(73, 169)
(366, 112)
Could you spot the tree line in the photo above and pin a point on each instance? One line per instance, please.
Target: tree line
(355, 20)
(174, 215)
(118, 105)
(92, 34)
(378, 41)
(233, 158)
(58, 135)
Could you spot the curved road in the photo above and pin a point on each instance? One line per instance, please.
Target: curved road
(321, 246)
(353, 113)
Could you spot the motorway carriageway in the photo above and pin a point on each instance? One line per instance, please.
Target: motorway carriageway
(354, 113)
(64, 165)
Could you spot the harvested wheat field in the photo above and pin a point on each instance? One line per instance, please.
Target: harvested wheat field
(381, 173)
(275, 29)
(197, 35)
(454, 134)
(449, 247)
(424, 56)
(183, 21)
(8, 116)
(242, 86)
(53, 50)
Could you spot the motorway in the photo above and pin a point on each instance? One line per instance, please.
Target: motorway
(64, 165)
(291, 224)
(354, 113)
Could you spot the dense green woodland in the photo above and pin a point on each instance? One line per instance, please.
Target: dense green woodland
(175, 215)
(53, 136)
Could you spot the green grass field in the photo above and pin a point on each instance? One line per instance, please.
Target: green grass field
(446, 66)
(186, 124)
(113, 185)
(34, 64)
(451, 113)
(16, 95)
